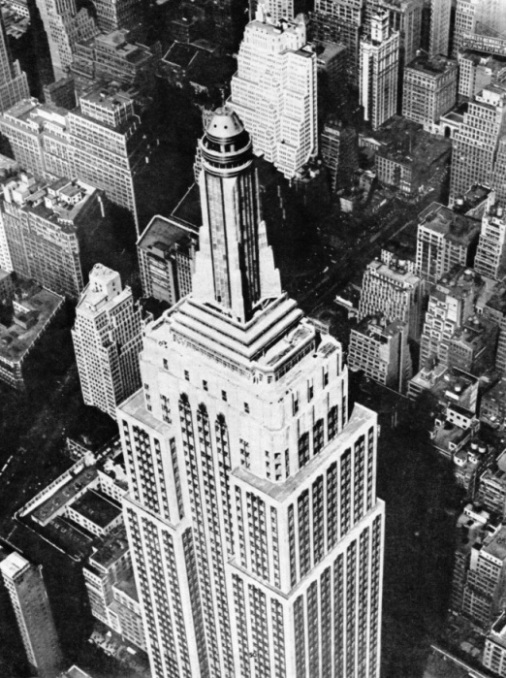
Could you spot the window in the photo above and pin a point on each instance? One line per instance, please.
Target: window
(246, 408)
(205, 386)
(187, 375)
(224, 396)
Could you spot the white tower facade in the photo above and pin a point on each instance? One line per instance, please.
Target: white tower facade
(379, 71)
(107, 340)
(274, 92)
(255, 529)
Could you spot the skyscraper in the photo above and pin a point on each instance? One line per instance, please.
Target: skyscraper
(107, 338)
(476, 141)
(379, 71)
(28, 595)
(274, 93)
(255, 530)
(13, 81)
(64, 25)
(439, 38)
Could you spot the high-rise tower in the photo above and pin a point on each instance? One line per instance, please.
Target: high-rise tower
(274, 92)
(255, 530)
(13, 81)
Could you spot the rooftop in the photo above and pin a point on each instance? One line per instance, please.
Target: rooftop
(97, 508)
(458, 282)
(496, 544)
(457, 228)
(22, 324)
(13, 565)
(162, 234)
(394, 272)
(64, 495)
(111, 547)
(434, 65)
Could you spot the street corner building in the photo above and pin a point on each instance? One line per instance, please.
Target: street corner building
(255, 530)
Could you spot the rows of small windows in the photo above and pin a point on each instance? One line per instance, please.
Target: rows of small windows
(363, 598)
(259, 631)
(177, 478)
(351, 564)
(193, 584)
(145, 469)
(257, 529)
(178, 608)
(224, 469)
(275, 545)
(241, 628)
(307, 448)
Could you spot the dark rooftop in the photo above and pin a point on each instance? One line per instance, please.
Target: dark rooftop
(97, 508)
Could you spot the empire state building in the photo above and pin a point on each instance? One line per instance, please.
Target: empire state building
(253, 521)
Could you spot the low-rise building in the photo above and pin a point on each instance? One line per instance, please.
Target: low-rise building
(491, 491)
(26, 313)
(111, 587)
(472, 346)
(494, 652)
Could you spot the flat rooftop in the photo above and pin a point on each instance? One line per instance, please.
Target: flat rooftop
(127, 586)
(394, 272)
(434, 65)
(457, 228)
(20, 332)
(64, 495)
(97, 508)
(162, 233)
(496, 545)
(107, 551)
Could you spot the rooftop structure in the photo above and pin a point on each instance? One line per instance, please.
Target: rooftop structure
(472, 346)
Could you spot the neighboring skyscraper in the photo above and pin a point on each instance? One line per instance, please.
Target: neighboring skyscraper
(439, 38)
(166, 252)
(394, 293)
(341, 22)
(99, 143)
(381, 350)
(28, 595)
(430, 89)
(106, 145)
(405, 16)
(64, 26)
(107, 340)
(339, 151)
(13, 81)
(251, 496)
(475, 143)
(114, 14)
(451, 302)
(444, 239)
(274, 93)
(379, 71)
